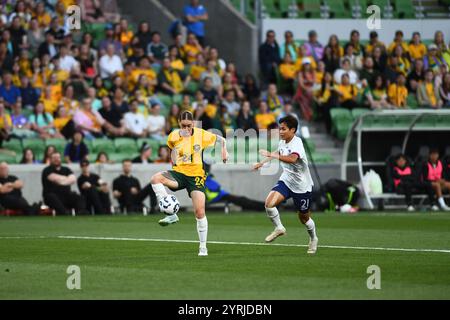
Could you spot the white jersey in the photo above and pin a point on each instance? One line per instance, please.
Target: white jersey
(296, 176)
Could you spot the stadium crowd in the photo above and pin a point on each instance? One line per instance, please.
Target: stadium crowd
(126, 82)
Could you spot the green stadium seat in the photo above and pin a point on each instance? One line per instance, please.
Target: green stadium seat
(342, 120)
(338, 9)
(37, 145)
(14, 145)
(121, 156)
(8, 157)
(59, 144)
(178, 98)
(377, 121)
(311, 9)
(411, 101)
(310, 144)
(404, 9)
(192, 87)
(105, 145)
(165, 99)
(125, 145)
(270, 9)
(356, 113)
(285, 6)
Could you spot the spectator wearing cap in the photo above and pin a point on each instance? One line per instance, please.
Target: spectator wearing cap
(110, 63)
(136, 125)
(94, 190)
(144, 154)
(374, 42)
(57, 194)
(195, 15)
(128, 192)
(76, 150)
(313, 47)
(269, 57)
(156, 123)
(432, 60)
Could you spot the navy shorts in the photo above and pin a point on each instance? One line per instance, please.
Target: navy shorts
(302, 201)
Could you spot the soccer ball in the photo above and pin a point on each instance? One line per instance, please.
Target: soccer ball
(169, 205)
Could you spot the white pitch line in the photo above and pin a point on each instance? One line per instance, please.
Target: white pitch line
(256, 244)
(231, 243)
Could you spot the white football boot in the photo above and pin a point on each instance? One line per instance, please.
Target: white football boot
(168, 220)
(275, 234)
(203, 252)
(312, 247)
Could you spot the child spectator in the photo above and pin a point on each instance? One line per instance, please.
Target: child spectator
(76, 150)
(397, 92)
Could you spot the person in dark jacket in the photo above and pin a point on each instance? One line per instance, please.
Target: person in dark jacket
(269, 57)
(145, 154)
(76, 150)
(94, 190)
(128, 192)
(406, 182)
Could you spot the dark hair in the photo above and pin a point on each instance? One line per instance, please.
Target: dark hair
(400, 156)
(24, 153)
(290, 121)
(186, 115)
(127, 160)
(434, 150)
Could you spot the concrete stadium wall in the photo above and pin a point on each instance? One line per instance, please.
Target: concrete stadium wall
(237, 179)
(150, 11)
(342, 28)
(234, 36)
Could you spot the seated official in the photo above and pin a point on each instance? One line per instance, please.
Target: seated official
(127, 190)
(57, 181)
(146, 153)
(11, 193)
(94, 190)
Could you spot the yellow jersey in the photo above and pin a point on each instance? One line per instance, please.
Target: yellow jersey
(189, 151)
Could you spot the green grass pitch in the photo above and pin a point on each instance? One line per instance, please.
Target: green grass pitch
(34, 257)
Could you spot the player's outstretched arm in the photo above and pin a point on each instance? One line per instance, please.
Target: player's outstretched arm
(292, 158)
(223, 143)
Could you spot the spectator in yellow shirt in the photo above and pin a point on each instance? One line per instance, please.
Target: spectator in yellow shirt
(288, 71)
(397, 92)
(192, 48)
(176, 62)
(374, 42)
(42, 16)
(403, 64)
(144, 69)
(398, 40)
(126, 35)
(50, 106)
(5, 124)
(427, 93)
(198, 67)
(347, 93)
(264, 118)
(417, 50)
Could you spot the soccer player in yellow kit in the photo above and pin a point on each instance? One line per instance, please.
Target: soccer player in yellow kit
(187, 145)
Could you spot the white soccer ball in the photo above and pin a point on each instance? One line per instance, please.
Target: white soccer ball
(169, 205)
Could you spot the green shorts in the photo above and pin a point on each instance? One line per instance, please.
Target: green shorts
(188, 183)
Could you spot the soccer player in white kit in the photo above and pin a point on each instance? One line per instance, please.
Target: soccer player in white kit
(295, 182)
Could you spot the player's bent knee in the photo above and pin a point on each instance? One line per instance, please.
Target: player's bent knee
(157, 178)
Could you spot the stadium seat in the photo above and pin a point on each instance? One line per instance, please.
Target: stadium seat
(37, 145)
(59, 144)
(105, 145)
(270, 9)
(342, 120)
(192, 87)
(165, 99)
(8, 157)
(411, 101)
(311, 9)
(337, 9)
(14, 145)
(404, 9)
(310, 144)
(124, 145)
(322, 157)
(356, 113)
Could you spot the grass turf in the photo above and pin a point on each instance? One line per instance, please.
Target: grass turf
(35, 268)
